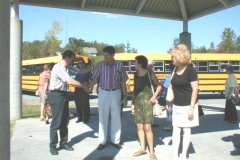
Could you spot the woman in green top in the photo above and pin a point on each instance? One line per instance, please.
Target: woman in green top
(142, 104)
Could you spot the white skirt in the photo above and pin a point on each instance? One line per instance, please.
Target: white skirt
(180, 116)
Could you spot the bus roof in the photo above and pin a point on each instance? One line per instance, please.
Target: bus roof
(53, 59)
(195, 56)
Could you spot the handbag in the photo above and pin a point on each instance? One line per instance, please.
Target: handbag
(170, 95)
(156, 106)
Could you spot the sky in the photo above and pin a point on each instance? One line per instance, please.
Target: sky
(147, 35)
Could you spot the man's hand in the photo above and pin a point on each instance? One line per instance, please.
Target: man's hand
(86, 87)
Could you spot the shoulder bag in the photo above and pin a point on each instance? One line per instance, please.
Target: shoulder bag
(156, 106)
(170, 95)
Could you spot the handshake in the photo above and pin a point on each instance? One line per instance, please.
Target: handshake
(87, 87)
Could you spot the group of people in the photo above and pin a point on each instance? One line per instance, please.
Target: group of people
(111, 77)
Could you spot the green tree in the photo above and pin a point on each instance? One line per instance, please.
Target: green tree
(120, 48)
(129, 49)
(32, 50)
(52, 43)
(229, 41)
(211, 48)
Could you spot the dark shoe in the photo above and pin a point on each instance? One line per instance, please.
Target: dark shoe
(118, 146)
(53, 151)
(47, 122)
(79, 120)
(86, 121)
(66, 147)
(101, 146)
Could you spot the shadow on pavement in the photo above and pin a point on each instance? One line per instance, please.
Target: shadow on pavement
(235, 139)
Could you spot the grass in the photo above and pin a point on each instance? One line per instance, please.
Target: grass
(30, 110)
(33, 109)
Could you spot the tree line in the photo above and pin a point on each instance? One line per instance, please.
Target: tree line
(230, 43)
(50, 46)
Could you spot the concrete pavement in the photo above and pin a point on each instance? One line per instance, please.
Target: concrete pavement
(214, 139)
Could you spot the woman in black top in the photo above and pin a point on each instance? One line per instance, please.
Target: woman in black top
(185, 89)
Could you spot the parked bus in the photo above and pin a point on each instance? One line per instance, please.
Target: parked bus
(210, 68)
(33, 67)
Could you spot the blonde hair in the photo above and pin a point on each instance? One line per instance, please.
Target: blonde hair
(45, 67)
(182, 54)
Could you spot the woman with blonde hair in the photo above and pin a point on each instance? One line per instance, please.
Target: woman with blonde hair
(185, 89)
(43, 84)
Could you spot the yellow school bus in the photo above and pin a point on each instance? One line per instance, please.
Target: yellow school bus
(210, 68)
(32, 68)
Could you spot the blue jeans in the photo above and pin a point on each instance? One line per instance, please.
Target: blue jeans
(60, 115)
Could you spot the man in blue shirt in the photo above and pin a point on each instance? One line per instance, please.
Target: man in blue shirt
(81, 96)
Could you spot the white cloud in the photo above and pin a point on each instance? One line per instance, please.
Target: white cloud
(108, 15)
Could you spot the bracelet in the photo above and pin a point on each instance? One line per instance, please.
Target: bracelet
(192, 105)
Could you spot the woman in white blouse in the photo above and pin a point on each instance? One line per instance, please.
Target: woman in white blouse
(230, 108)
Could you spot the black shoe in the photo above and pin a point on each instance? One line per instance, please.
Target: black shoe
(53, 151)
(47, 122)
(66, 147)
(85, 122)
(79, 120)
(101, 146)
(118, 146)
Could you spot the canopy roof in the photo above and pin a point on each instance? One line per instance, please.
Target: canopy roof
(182, 10)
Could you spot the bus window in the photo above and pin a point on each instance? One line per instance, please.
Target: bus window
(132, 67)
(158, 66)
(202, 66)
(167, 66)
(235, 65)
(126, 65)
(213, 66)
(223, 65)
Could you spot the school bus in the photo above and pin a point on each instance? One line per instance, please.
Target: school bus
(32, 68)
(209, 66)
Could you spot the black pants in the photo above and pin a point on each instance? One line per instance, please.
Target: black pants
(82, 104)
(230, 111)
(60, 115)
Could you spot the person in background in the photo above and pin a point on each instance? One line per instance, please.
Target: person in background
(59, 101)
(43, 83)
(230, 113)
(81, 96)
(111, 76)
(162, 99)
(142, 104)
(185, 109)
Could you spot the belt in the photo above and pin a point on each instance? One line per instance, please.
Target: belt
(59, 91)
(110, 89)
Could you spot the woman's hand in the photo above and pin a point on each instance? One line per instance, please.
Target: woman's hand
(152, 100)
(168, 106)
(132, 107)
(191, 113)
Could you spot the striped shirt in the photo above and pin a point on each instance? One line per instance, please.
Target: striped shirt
(59, 76)
(110, 76)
